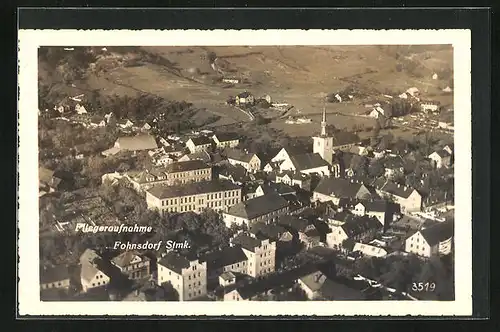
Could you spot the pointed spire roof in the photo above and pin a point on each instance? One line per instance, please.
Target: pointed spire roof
(323, 123)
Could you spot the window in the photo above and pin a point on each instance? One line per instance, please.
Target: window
(189, 277)
(199, 283)
(189, 286)
(93, 284)
(199, 292)
(189, 295)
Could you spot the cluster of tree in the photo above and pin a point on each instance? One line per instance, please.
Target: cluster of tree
(70, 65)
(401, 272)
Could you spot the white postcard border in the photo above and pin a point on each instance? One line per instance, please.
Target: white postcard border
(28, 272)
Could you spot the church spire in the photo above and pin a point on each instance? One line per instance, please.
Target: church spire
(323, 123)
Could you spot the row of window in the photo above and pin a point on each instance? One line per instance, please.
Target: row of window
(266, 262)
(194, 285)
(99, 283)
(193, 294)
(52, 285)
(135, 266)
(189, 173)
(194, 276)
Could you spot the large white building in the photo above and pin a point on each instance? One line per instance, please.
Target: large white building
(435, 240)
(187, 277)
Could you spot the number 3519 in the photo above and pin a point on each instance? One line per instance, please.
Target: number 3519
(423, 287)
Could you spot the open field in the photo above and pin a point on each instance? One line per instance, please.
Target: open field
(299, 75)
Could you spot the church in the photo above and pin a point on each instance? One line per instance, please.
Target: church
(323, 145)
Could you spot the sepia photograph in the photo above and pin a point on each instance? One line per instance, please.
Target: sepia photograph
(232, 171)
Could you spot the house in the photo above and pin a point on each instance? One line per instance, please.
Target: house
(230, 80)
(227, 279)
(355, 228)
(429, 106)
(393, 166)
(434, 240)
(272, 167)
(285, 154)
(187, 276)
(91, 274)
(414, 92)
(249, 190)
(307, 163)
(236, 174)
(369, 250)
(250, 161)
(229, 259)
(300, 228)
(317, 286)
(226, 140)
(142, 142)
(377, 112)
(333, 189)
(441, 158)
(386, 212)
(245, 98)
(146, 127)
(125, 123)
(195, 197)
(201, 155)
(266, 208)
(408, 198)
(261, 253)
(55, 277)
(197, 144)
(270, 187)
(311, 284)
(79, 109)
(301, 180)
(133, 265)
(97, 121)
(273, 232)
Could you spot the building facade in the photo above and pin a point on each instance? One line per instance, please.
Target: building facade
(215, 195)
(323, 144)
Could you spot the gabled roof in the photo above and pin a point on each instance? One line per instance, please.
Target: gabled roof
(267, 231)
(279, 188)
(356, 225)
(376, 205)
(237, 173)
(194, 188)
(244, 94)
(227, 137)
(200, 155)
(339, 187)
(186, 166)
(174, 262)
(338, 291)
(308, 161)
(45, 175)
(294, 175)
(125, 258)
(53, 274)
(442, 153)
(224, 257)
(137, 143)
(201, 140)
(314, 281)
(258, 206)
(293, 222)
(437, 233)
(246, 241)
(239, 155)
(393, 188)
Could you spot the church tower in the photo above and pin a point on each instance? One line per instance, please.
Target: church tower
(323, 144)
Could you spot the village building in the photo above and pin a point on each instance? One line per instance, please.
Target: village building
(355, 228)
(48, 182)
(250, 161)
(133, 265)
(323, 143)
(271, 187)
(274, 232)
(142, 142)
(333, 189)
(226, 279)
(291, 178)
(97, 121)
(54, 277)
(377, 112)
(198, 144)
(301, 229)
(429, 106)
(265, 208)
(229, 259)
(202, 155)
(434, 240)
(226, 140)
(236, 174)
(187, 277)
(441, 158)
(195, 197)
(245, 98)
(261, 254)
(386, 212)
(125, 124)
(175, 173)
(369, 250)
(91, 275)
(308, 163)
(408, 198)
